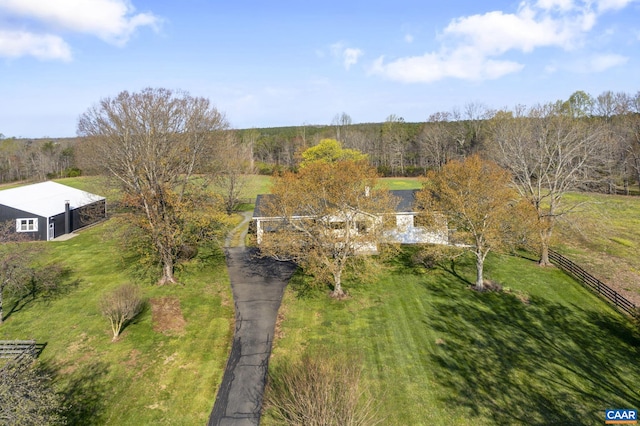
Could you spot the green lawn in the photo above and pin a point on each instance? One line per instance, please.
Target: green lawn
(257, 184)
(401, 183)
(434, 352)
(437, 353)
(147, 377)
(603, 236)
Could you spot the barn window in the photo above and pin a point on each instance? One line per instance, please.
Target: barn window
(26, 225)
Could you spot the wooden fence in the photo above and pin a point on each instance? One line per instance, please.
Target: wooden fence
(16, 348)
(593, 283)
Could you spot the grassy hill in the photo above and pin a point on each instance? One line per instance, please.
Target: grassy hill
(603, 236)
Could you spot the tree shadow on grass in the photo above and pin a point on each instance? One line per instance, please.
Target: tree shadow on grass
(539, 363)
(84, 395)
(452, 268)
(46, 285)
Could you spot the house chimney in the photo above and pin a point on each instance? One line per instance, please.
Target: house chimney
(67, 217)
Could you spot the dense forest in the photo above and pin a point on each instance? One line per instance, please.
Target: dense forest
(37, 159)
(610, 120)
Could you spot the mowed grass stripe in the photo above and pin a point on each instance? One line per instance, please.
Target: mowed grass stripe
(546, 351)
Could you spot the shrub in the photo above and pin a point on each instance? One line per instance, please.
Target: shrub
(121, 306)
(187, 252)
(269, 169)
(319, 390)
(72, 172)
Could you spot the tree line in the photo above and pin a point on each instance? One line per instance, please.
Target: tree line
(398, 148)
(36, 159)
(395, 147)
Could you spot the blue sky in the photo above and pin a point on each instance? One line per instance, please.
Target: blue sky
(300, 62)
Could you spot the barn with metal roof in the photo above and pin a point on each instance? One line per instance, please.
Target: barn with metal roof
(47, 210)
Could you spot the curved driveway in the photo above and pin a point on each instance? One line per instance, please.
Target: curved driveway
(257, 284)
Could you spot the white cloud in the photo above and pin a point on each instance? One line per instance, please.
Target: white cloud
(605, 5)
(113, 21)
(472, 46)
(563, 5)
(351, 57)
(408, 38)
(523, 31)
(601, 63)
(348, 55)
(462, 64)
(14, 44)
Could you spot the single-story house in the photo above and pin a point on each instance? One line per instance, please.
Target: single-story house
(405, 231)
(48, 210)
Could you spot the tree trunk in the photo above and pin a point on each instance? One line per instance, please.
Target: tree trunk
(167, 270)
(626, 186)
(479, 271)
(1, 306)
(337, 285)
(545, 236)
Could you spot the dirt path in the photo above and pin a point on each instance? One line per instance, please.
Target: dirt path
(257, 285)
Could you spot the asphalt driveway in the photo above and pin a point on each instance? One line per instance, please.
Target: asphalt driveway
(258, 285)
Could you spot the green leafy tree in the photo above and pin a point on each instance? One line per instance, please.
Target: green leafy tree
(330, 151)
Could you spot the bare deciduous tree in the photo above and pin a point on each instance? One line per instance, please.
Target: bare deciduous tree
(15, 272)
(121, 306)
(341, 123)
(152, 142)
(394, 139)
(548, 154)
(436, 142)
(15, 262)
(233, 167)
(22, 277)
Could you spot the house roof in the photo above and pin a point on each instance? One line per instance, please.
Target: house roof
(407, 199)
(46, 199)
(406, 202)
